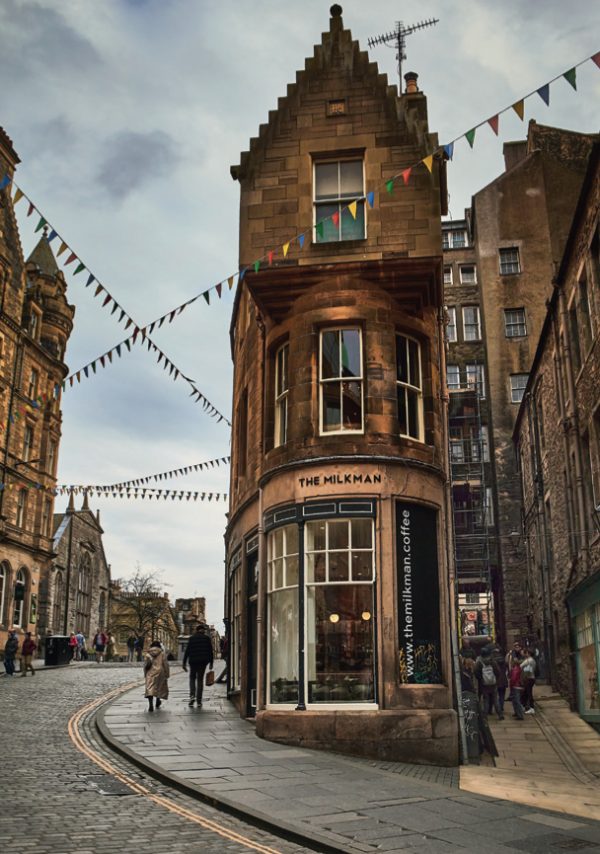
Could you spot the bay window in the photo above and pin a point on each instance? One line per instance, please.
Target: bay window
(282, 585)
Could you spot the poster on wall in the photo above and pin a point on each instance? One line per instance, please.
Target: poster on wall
(418, 594)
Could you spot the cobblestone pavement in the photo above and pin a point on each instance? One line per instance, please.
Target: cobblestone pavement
(56, 800)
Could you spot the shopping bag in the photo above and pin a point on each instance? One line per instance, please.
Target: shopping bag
(210, 677)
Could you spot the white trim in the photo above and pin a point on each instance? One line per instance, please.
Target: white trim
(342, 203)
(411, 388)
(340, 380)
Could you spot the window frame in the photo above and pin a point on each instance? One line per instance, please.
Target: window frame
(511, 323)
(21, 514)
(28, 441)
(451, 324)
(450, 279)
(515, 388)
(341, 381)
(509, 262)
(476, 368)
(280, 420)
(410, 389)
(19, 606)
(468, 326)
(464, 281)
(341, 202)
(450, 370)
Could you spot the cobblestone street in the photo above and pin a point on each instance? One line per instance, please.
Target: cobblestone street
(56, 800)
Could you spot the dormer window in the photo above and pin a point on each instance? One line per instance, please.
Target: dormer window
(337, 183)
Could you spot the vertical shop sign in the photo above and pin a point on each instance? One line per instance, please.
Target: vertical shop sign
(418, 594)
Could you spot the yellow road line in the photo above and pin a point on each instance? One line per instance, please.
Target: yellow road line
(77, 740)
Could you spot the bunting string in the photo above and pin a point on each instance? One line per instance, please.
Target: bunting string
(139, 492)
(166, 475)
(445, 151)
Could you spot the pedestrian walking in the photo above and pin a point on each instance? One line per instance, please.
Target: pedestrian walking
(110, 646)
(80, 646)
(130, 648)
(27, 650)
(139, 647)
(486, 671)
(73, 646)
(11, 647)
(502, 676)
(515, 690)
(156, 670)
(528, 674)
(199, 653)
(225, 655)
(99, 645)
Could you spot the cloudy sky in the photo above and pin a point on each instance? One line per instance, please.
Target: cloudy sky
(127, 115)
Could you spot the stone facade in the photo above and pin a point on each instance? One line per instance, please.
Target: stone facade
(147, 615)
(74, 596)
(557, 435)
(520, 225)
(366, 455)
(36, 321)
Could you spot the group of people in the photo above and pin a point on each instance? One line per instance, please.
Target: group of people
(103, 646)
(198, 654)
(494, 673)
(11, 652)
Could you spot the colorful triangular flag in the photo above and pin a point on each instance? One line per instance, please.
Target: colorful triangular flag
(18, 196)
(519, 108)
(40, 224)
(406, 174)
(470, 136)
(493, 123)
(206, 297)
(352, 209)
(80, 267)
(335, 218)
(230, 282)
(371, 198)
(596, 58)
(285, 248)
(571, 77)
(449, 150)
(91, 279)
(270, 256)
(257, 266)
(301, 241)
(389, 185)
(319, 229)
(544, 93)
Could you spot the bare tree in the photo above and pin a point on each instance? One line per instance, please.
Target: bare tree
(139, 607)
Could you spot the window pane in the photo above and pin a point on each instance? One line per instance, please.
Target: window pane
(315, 567)
(315, 536)
(291, 571)
(401, 359)
(338, 535)
(351, 353)
(330, 355)
(340, 644)
(413, 357)
(413, 413)
(362, 534)
(277, 573)
(331, 407)
(362, 566)
(351, 178)
(291, 540)
(277, 540)
(283, 646)
(338, 566)
(331, 231)
(402, 411)
(352, 406)
(354, 229)
(326, 181)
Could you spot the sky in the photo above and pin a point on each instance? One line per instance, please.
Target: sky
(127, 115)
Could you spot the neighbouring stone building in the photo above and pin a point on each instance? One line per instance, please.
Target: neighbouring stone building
(338, 601)
(557, 436)
(188, 613)
(478, 581)
(74, 595)
(520, 223)
(36, 321)
(147, 615)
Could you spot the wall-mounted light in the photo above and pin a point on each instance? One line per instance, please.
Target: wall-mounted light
(334, 618)
(366, 615)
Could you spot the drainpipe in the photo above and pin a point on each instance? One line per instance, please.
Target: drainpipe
(449, 530)
(71, 512)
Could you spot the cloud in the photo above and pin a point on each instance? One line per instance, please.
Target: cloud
(136, 159)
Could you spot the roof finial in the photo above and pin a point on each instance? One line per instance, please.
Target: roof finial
(45, 232)
(336, 11)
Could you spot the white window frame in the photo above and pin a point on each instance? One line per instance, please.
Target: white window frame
(34, 382)
(281, 397)
(451, 328)
(475, 325)
(512, 320)
(465, 281)
(271, 588)
(341, 380)
(35, 324)
(447, 274)
(409, 389)
(451, 242)
(453, 370)
(342, 202)
(516, 388)
(475, 376)
(21, 516)
(509, 262)
(28, 442)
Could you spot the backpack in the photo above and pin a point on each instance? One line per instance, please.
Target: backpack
(488, 677)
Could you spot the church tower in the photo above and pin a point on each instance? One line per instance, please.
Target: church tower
(337, 591)
(36, 321)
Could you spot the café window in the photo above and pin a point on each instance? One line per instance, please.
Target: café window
(281, 395)
(336, 185)
(340, 637)
(341, 381)
(282, 581)
(409, 387)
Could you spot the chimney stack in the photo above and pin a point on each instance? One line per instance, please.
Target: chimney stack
(411, 78)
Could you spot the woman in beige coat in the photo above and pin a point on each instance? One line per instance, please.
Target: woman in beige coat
(156, 669)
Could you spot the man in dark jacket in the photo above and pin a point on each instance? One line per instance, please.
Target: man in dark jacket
(10, 653)
(199, 653)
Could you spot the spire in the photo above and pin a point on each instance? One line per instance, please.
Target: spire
(71, 507)
(43, 257)
(85, 505)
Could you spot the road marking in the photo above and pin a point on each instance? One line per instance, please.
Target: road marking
(183, 812)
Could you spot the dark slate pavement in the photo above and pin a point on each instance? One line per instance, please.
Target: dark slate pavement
(340, 803)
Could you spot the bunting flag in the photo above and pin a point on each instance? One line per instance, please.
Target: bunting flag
(96, 491)
(352, 209)
(389, 185)
(571, 77)
(406, 174)
(319, 229)
(493, 123)
(335, 218)
(63, 248)
(166, 475)
(18, 196)
(449, 150)
(544, 93)
(595, 58)
(5, 181)
(371, 198)
(286, 249)
(470, 136)
(40, 224)
(301, 241)
(270, 257)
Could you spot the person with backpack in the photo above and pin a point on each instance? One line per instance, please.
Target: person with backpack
(528, 674)
(487, 673)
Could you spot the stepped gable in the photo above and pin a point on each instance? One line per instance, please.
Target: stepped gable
(338, 53)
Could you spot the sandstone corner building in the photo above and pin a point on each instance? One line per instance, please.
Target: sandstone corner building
(337, 595)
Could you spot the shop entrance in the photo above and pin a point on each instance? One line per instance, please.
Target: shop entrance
(252, 611)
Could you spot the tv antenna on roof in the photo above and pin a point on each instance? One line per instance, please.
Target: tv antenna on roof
(398, 36)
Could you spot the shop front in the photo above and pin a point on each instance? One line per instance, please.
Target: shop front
(584, 608)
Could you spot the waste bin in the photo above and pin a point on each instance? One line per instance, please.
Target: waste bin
(57, 650)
